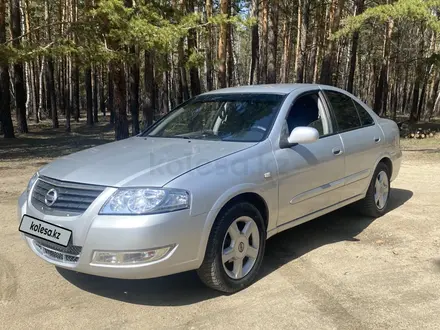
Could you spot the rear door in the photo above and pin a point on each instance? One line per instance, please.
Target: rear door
(361, 137)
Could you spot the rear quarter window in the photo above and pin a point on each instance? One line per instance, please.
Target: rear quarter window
(366, 119)
(346, 114)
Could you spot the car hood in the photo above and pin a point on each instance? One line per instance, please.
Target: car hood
(139, 161)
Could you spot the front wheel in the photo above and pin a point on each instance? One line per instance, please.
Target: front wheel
(376, 200)
(235, 249)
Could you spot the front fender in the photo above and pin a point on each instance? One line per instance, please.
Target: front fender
(213, 213)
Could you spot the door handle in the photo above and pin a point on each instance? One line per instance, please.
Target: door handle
(377, 139)
(337, 151)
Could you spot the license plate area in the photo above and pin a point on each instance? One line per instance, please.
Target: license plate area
(45, 230)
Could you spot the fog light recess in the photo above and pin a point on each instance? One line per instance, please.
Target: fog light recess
(130, 257)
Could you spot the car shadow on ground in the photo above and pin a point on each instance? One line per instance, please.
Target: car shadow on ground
(186, 288)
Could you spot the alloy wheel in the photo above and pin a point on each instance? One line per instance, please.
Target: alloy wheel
(381, 189)
(240, 247)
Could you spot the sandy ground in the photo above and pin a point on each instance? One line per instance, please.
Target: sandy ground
(340, 271)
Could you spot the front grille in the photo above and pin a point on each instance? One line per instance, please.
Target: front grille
(69, 249)
(73, 198)
(68, 254)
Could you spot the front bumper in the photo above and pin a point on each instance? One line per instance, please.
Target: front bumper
(92, 232)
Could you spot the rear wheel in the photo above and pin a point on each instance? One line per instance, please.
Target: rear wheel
(376, 200)
(235, 249)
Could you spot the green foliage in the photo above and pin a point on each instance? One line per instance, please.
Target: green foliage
(195, 59)
(422, 11)
(107, 30)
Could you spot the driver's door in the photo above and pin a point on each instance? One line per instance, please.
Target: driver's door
(310, 175)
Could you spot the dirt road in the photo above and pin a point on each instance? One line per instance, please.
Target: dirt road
(340, 271)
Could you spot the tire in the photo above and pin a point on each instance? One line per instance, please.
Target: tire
(369, 206)
(219, 276)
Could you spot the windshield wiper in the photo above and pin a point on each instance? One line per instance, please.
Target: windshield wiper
(207, 134)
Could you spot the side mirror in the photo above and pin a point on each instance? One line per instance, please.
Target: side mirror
(301, 135)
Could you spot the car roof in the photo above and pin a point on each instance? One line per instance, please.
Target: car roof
(263, 89)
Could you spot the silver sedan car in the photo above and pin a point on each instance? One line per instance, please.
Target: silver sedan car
(205, 186)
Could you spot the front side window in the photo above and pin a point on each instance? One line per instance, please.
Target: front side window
(344, 110)
(240, 117)
(308, 110)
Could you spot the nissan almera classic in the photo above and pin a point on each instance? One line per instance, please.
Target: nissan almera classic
(205, 186)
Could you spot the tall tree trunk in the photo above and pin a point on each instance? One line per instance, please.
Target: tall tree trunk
(422, 100)
(66, 81)
(134, 92)
(313, 57)
(19, 84)
(76, 99)
(321, 14)
(284, 71)
(222, 41)
(360, 5)
(5, 96)
(382, 87)
(41, 105)
(420, 69)
(229, 49)
(50, 74)
(118, 74)
(102, 91)
(329, 57)
(434, 93)
(405, 94)
(50, 85)
(183, 80)
(70, 70)
(194, 78)
(303, 21)
(436, 105)
(396, 98)
(89, 94)
(173, 87)
(31, 102)
(75, 70)
(208, 49)
(36, 85)
(272, 43)
(88, 79)
(111, 91)
(95, 94)
(70, 96)
(254, 44)
(27, 78)
(121, 120)
(164, 91)
(32, 91)
(149, 82)
(415, 103)
(264, 41)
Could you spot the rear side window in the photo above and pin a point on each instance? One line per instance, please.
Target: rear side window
(365, 117)
(344, 110)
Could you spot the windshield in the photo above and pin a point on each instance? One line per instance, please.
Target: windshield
(233, 117)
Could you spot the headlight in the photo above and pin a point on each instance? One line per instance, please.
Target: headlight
(31, 182)
(146, 201)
